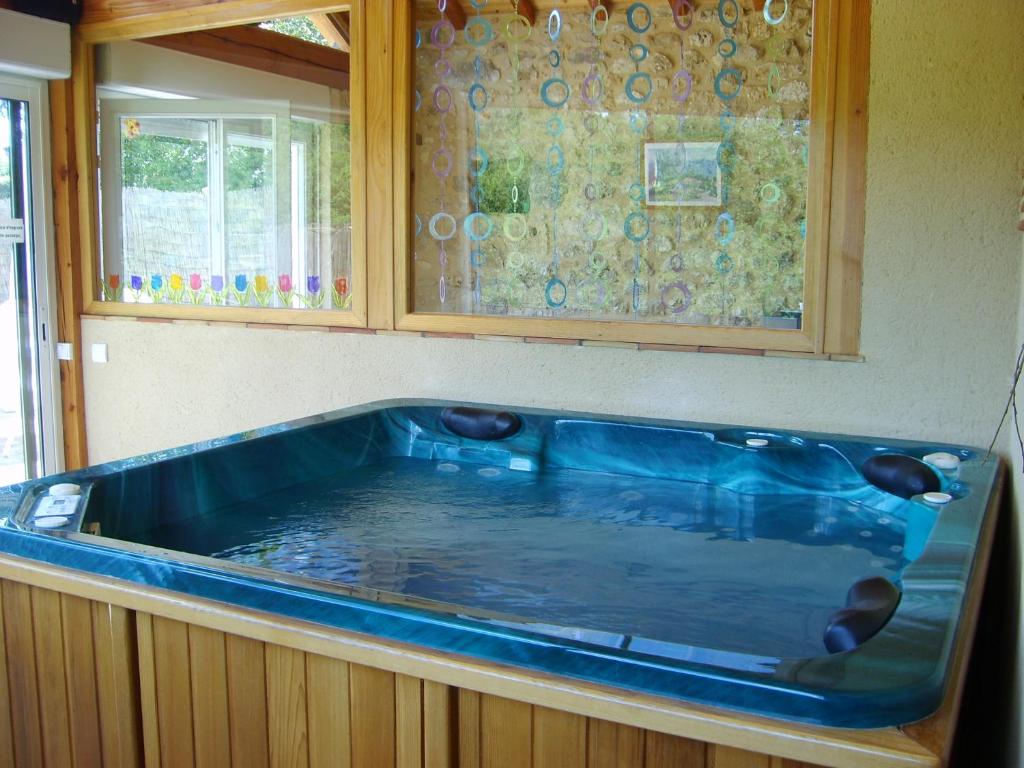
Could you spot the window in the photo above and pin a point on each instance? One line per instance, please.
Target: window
(224, 208)
(30, 406)
(673, 173)
(226, 178)
(656, 172)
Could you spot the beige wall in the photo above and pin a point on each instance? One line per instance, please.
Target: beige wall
(941, 277)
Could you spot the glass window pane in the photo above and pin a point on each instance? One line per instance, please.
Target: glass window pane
(232, 185)
(21, 417)
(629, 164)
(165, 205)
(251, 211)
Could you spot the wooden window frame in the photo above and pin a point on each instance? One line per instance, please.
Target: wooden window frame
(835, 221)
(174, 20)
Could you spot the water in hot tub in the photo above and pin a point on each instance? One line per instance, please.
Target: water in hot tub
(670, 561)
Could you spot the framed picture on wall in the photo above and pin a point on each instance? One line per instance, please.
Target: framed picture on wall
(683, 173)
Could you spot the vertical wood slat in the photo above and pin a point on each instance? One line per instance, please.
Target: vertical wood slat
(247, 702)
(7, 755)
(468, 715)
(372, 697)
(610, 745)
(80, 668)
(21, 673)
(83, 93)
(48, 631)
(408, 722)
(286, 707)
(379, 188)
(68, 273)
(664, 751)
(506, 733)
(119, 680)
(730, 757)
(781, 762)
(363, 275)
(849, 180)
(819, 170)
(438, 722)
(173, 692)
(210, 722)
(559, 739)
(327, 705)
(402, 148)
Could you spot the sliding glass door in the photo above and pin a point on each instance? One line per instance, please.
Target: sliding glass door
(29, 412)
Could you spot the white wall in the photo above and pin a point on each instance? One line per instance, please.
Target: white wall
(941, 295)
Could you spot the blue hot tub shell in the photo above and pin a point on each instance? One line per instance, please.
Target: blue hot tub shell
(897, 676)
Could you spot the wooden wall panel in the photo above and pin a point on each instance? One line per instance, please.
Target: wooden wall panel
(173, 692)
(48, 629)
(468, 717)
(80, 667)
(6, 735)
(610, 745)
(559, 739)
(327, 705)
(287, 717)
(209, 681)
(664, 751)
(372, 693)
(85, 683)
(118, 681)
(506, 733)
(23, 687)
(439, 720)
(408, 722)
(247, 702)
(729, 757)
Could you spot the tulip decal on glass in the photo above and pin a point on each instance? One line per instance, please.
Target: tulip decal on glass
(285, 290)
(340, 297)
(135, 283)
(176, 288)
(240, 290)
(156, 287)
(261, 289)
(111, 288)
(314, 297)
(217, 289)
(196, 291)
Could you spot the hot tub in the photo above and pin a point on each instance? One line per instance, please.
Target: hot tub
(696, 562)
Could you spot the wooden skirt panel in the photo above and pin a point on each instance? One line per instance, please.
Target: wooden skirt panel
(69, 693)
(85, 683)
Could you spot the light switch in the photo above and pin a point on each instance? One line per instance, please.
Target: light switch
(99, 353)
(65, 351)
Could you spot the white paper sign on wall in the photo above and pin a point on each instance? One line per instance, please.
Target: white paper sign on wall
(12, 231)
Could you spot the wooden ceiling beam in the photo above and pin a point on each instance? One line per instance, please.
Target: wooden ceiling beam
(265, 51)
(335, 29)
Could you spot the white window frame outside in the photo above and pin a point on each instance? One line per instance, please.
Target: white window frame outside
(34, 93)
(111, 113)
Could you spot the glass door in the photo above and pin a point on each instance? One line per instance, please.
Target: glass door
(29, 415)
